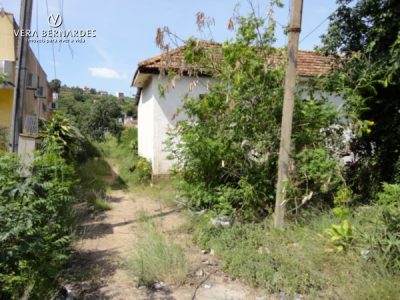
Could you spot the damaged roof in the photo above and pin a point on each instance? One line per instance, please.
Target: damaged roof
(309, 63)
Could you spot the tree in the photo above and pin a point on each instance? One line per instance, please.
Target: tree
(55, 85)
(369, 26)
(368, 35)
(103, 117)
(92, 114)
(226, 150)
(129, 107)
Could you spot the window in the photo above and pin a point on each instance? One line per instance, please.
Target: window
(40, 91)
(29, 80)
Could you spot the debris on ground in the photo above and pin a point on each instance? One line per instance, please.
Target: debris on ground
(207, 286)
(223, 221)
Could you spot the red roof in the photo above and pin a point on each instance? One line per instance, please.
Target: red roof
(309, 63)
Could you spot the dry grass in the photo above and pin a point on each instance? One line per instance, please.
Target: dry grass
(155, 258)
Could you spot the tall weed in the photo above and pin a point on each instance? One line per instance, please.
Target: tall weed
(156, 259)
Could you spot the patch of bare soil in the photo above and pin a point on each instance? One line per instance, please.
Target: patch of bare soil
(96, 268)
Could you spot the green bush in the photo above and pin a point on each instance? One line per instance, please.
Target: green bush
(36, 215)
(379, 228)
(227, 149)
(122, 152)
(4, 139)
(35, 224)
(59, 133)
(141, 169)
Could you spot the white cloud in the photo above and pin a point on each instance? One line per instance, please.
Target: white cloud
(106, 73)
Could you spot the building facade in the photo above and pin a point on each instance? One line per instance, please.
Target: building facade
(37, 97)
(157, 114)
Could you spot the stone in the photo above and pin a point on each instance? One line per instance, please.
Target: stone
(159, 285)
(200, 273)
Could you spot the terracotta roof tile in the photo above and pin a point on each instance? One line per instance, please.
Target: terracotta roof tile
(309, 63)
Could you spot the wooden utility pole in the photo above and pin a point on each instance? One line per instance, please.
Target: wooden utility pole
(296, 8)
(20, 74)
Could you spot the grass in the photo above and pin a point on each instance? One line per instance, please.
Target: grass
(132, 169)
(96, 175)
(93, 185)
(155, 258)
(160, 189)
(101, 204)
(296, 260)
(92, 173)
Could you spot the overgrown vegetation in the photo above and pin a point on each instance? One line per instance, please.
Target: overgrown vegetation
(93, 113)
(36, 201)
(227, 149)
(36, 217)
(367, 34)
(122, 153)
(155, 258)
(303, 259)
(112, 161)
(339, 215)
(4, 137)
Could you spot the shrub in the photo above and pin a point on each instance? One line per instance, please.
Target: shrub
(59, 135)
(103, 117)
(379, 231)
(227, 148)
(4, 138)
(141, 169)
(36, 214)
(35, 224)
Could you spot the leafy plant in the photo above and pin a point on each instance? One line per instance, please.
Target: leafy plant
(366, 34)
(59, 135)
(389, 240)
(4, 139)
(142, 169)
(36, 215)
(3, 78)
(226, 150)
(341, 235)
(35, 224)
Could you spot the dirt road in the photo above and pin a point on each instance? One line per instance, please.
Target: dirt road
(97, 267)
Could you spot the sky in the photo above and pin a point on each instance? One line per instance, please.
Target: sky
(126, 30)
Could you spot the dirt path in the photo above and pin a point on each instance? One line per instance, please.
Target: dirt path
(97, 270)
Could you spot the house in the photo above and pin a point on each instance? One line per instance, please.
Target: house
(156, 114)
(119, 95)
(37, 96)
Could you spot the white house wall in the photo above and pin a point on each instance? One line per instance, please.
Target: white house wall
(146, 124)
(165, 117)
(157, 115)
